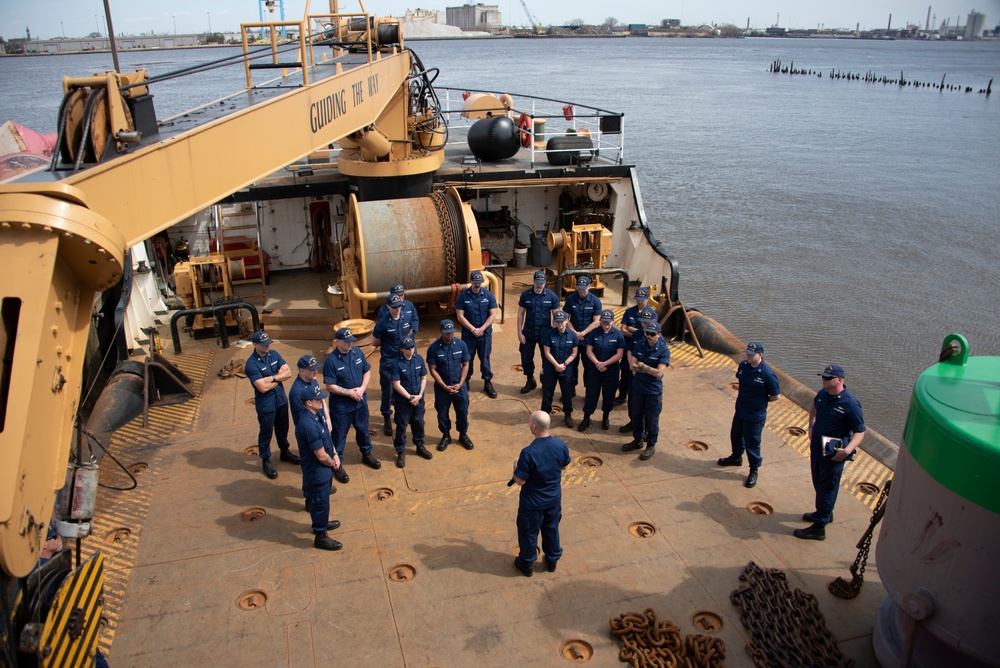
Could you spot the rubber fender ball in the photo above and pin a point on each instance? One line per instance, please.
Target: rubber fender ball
(495, 138)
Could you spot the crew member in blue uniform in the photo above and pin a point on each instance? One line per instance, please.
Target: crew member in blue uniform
(448, 364)
(409, 381)
(319, 460)
(559, 349)
(758, 386)
(836, 429)
(643, 317)
(649, 359)
(631, 325)
(266, 370)
(388, 334)
(408, 310)
(346, 373)
(605, 348)
(584, 311)
(475, 310)
(538, 470)
(308, 367)
(534, 319)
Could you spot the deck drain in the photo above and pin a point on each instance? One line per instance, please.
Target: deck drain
(253, 514)
(698, 446)
(707, 621)
(759, 508)
(591, 462)
(251, 451)
(117, 535)
(795, 431)
(556, 410)
(102, 623)
(734, 386)
(641, 529)
(402, 573)
(866, 488)
(577, 651)
(517, 368)
(252, 600)
(249, 402)
(372, 434)
(382, 493)
(138, 468)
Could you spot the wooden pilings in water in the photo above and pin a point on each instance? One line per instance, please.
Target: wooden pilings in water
(777, 67)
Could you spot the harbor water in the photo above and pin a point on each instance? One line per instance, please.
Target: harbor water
(833, 220)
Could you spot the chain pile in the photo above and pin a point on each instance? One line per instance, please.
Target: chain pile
(447, 235)
(840, 587)
(647, 643)
(787, 628)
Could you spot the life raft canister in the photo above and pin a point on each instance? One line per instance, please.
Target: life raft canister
(568, 112)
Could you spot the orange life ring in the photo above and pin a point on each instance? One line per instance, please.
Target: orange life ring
(524, 125)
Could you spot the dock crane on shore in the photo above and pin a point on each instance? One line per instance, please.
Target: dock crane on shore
(535, 23)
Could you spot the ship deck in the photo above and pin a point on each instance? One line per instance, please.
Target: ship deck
(205, 531)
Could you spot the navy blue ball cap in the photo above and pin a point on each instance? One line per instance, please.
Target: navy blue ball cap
(476, 277)
(447, 326)
(583, 281)
(651, 327)
(308, 362)
(832, 371)
(647, 314)
(51, 533)
(407, 343)
(313, 392)
(345, 334)
(559, 316)
(755, 348)
(607, 316)
(539, 277)
(641, 293)
(394, 301)
(261, 338)
(397, 289)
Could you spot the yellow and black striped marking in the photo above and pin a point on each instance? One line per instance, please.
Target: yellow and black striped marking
(70, 632)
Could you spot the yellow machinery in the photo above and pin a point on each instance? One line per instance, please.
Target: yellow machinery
(201, 282)
(582, 247)
(65, 233)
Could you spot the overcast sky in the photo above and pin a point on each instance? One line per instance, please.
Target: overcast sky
(76, 18)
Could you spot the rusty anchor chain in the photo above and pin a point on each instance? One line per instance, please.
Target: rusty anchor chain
(447, 234)
(840, 587)
(648, 643)
(787, 628)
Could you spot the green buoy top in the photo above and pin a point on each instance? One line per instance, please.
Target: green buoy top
(953, 427)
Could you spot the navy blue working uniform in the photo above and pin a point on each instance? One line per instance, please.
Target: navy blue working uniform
(447, 360)
(646, 398)
(561, 346)
(312, 436)
(295, 393)
(838, 416)
(756, 385)
(581, 311)
(272, 407)
(347, 370)
(605, 345)
(538, 309)
(391, 332)
(476, 309)
(408, 310)
(632, 317)
(409, 373)
(540, 466)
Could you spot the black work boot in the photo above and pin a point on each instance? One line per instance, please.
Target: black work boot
(648, 452)
(634, 444)
(625, 428)
(287, 456)
(324, 542)
(529, 385)
(815, 532)
(387, 427)
(488, 389)
(584, 423)
(731, 460)
(423, 452)
(752, 478)
(269, 470)
(443, 443)
(606, 421)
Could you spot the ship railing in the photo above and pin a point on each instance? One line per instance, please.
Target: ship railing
(560, 118)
